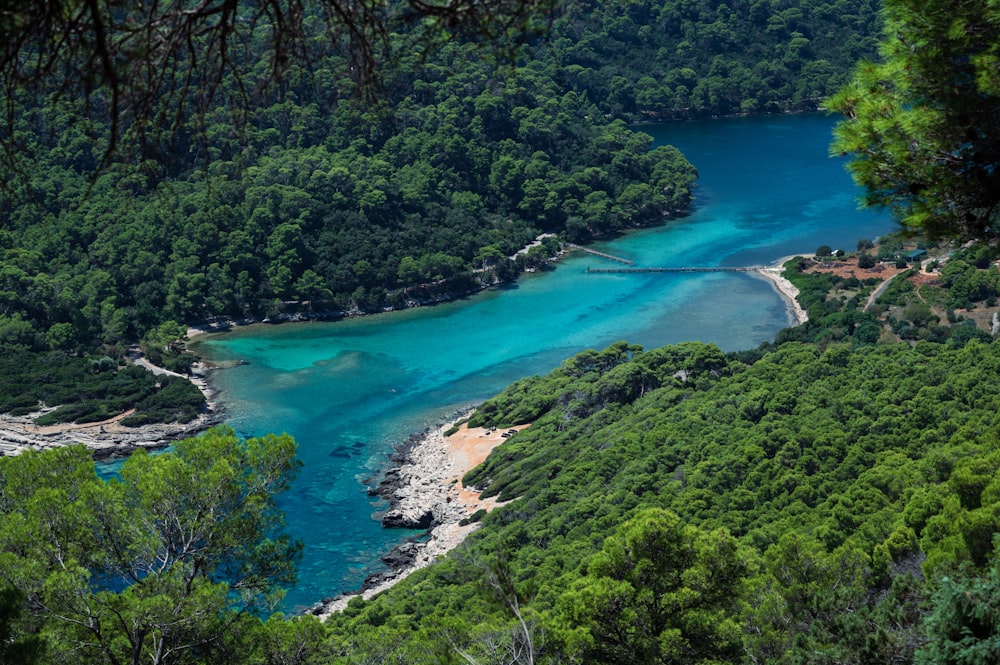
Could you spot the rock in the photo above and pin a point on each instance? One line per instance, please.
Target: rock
(104, 441)
(398, 519)
(376, 580)
(402, 556)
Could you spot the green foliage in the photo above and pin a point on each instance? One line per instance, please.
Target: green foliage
(91, 390)
(322, 205)
(966, 281)
(156, 565)
(304, 212)
(827, 480)
(831, 320)
(921, 122)
(673, 504)
(965, 624)
(319, 205)
(681, 59)
(661, 591)
(17, 645)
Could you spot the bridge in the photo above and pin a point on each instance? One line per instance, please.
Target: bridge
(612, 257)
(680, 269)
(632, 269)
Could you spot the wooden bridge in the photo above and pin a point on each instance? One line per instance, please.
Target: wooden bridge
(681, 269)
(619, 259)
(632, 269)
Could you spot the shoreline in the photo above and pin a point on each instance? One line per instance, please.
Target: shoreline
(774, 274)
(217, 325)
(108, 439)
(223, 324)
(105, 440)
(426, 489)
(427, 484)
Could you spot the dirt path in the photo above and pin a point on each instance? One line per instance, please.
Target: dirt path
(879, 290)
(59, 428)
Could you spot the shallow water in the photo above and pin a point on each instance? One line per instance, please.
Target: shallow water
(350, 390)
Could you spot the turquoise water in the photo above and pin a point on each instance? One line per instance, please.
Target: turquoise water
(348, 391)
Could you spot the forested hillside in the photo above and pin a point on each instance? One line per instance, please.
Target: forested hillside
(680, 59)
(812, 495)
(817, 504)
(319, 201)
(804, 502)
(462, 163)
(310, 201)
(833, 497)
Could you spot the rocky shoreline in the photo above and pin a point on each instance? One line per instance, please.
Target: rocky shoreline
(105, 440)
(415, 485)
(108, 439)
(425, 491)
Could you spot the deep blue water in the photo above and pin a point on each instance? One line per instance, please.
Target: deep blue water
(349, 391)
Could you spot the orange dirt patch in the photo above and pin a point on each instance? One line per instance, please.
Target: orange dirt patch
(848, 269)
(469, 447)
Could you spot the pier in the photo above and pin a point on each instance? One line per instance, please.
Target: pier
(619, 259)
(681, 269)
(633, 269)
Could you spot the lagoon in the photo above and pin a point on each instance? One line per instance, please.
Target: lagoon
(349, 391)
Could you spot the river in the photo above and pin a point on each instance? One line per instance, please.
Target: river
(348, 391)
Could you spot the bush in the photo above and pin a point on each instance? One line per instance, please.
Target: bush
(177, 400)
(866, 261)
(963, 334)
(473, 518)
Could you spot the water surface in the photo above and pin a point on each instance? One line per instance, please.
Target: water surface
(348, 391)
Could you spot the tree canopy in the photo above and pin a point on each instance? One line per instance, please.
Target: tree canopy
(922, 121)
(827, 498)
(144, 67)
(681, 505)
(157, 565)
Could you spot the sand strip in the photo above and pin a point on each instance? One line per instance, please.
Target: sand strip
(774, 274)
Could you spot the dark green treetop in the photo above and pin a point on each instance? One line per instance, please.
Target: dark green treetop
(922, 123)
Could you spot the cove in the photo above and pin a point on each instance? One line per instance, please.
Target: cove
(349, 391)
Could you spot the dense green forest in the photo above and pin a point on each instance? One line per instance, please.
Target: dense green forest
(660, 60)
(675, 505)
(463, 163)
(832, 503)
(311, 203)
(831, 497)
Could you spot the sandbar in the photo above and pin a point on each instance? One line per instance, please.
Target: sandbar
(775, 275)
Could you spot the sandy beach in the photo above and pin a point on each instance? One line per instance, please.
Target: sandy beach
(775, 275)
(433, 480)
